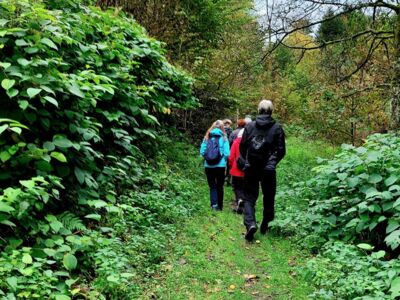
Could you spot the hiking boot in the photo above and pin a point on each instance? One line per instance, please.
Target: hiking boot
(250, 233)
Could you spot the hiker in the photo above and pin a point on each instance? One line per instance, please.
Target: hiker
(236, 173)
(240, 125)
(261, 148)
(215, 150)
(228, 131)
(227, 127)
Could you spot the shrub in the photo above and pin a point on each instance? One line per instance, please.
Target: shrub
(83, 205)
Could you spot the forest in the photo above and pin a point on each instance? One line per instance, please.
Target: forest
(104, 105)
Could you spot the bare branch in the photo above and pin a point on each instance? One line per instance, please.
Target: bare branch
(353, 37)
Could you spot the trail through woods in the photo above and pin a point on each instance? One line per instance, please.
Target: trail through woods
(211, 259)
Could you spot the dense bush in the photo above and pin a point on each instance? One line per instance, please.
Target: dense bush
(85, 197)
(353, 198)
(342, 271)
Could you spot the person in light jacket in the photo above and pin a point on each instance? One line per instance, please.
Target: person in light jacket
(216, 172)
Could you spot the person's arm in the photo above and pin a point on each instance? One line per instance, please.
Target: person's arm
(233, 154)
(281, 147)
(244, 144)
(226, 148)
(203, 147)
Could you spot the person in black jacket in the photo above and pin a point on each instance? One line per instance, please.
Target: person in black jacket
(262, 147)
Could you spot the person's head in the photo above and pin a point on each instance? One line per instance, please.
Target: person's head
(217, 124)
(227, 123)
(265, 107)
(247, 119)
(241, 123)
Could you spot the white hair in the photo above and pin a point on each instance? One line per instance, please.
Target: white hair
(247, 120)
(218, 123)
(265, 106)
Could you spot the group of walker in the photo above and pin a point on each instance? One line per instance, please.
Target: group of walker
(251, 153)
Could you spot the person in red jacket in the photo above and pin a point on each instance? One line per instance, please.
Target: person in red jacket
(236, 173)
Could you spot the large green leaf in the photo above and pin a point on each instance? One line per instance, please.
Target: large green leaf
(5, 207)
(32, 92)
(7, 83)
(51, 100)
(26, 258)
(70, 262)
(80, 175)
(391, 180)
(59, 156)
(3, 128)
(365, 246)
(375, 178)
(75, 89)
(395, 288)
(62, 142)
(49, 43)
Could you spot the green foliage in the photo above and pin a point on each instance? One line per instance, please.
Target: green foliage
(357, 193)
(341, 271)
(82, 95)
(332, 28)
(353, 199)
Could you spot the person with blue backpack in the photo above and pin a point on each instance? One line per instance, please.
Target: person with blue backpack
(215, 151)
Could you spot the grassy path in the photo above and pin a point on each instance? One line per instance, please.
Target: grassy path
(211, 259)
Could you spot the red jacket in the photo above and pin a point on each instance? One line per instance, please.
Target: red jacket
(234, 170)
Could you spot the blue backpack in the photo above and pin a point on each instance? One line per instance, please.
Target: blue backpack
(213, 154)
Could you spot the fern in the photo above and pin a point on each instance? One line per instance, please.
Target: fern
(71, 221)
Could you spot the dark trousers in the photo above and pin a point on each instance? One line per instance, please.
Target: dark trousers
(252, 178)
(238, 185)
(216, 179)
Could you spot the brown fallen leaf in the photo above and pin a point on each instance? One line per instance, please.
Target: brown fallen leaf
(250, 277)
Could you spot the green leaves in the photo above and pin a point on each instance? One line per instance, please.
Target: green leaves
(391, 180)
(80, 175)
(12, 282)
(27, 259)
(375, 178)
(395, 288)
(32, 92)
(59, 156)
(62, 142)
(5, 207)
(70, 262)
(365, 246)
(51, 100)
(49, 43)
(74, 88)
(96, 217)
(7, 84)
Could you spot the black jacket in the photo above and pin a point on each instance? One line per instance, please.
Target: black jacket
(265, 125)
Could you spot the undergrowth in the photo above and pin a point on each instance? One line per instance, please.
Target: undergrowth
(89, 195)
(346, 211)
